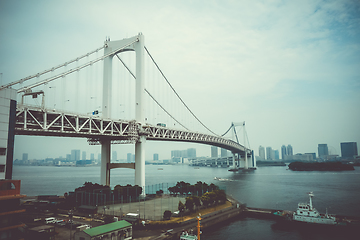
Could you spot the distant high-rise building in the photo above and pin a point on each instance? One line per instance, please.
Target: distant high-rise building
(268, 153)
(92, 157)
(349, 149)
(323, 150)
(175, 153)
(289, 150)
(283, 152)
(25, 157)
(191, 152)
(129, 157)
(262, 153)
(156, 157)
(276, 154)
(312, 154)
(99, 157)
(75, 155)
(83, 155)
(183, 153)
(223, 152)
(114, 155)
(68, 157)
(214, 152)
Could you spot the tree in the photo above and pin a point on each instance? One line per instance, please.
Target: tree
(181, 207)
(167, 215)
(196, 200)
(189, 204)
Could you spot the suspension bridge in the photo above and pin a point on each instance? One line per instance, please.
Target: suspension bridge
(133, 106)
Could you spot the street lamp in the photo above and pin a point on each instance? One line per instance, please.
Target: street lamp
(71, 223)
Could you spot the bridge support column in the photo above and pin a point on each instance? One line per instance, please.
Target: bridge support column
(140, 163)
(246, 164)
(234, 165)
(105, 162)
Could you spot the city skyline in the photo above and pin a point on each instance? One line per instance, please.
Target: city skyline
(299, 56)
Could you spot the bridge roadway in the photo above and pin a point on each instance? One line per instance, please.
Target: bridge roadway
(31, 120)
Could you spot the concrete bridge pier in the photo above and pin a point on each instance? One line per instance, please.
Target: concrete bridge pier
(105, 162)
(234, 158)
(140, 163)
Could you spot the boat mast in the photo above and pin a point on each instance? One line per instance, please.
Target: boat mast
(311, 195)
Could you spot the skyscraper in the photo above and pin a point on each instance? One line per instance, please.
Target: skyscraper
(349, 149)
(289, 150)
(214, 152)
(129, 157)
(83, 155)
(156, 157)
(276, 153)
(268, 153)
(191, 153)
(224, 152)
(75, 155)
(262, 153)
(323, 150)
(283, 152)
(92, 157)
(25, 157)
(114, 156)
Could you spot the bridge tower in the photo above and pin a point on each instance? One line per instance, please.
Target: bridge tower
(130, 44)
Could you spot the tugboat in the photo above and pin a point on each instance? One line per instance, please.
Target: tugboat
(307, 213)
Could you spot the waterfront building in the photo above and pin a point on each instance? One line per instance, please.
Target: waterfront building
(313, 155)
(25, 157)
(224, 152)
(129, 157)
(7, 133)
(323, 150)
(191, 152)
(276, 154)
(268, 153)
(283, 152)
(68, 157)
(214, 152)
(289, 150)
(262, 153)
(183, 153)
(349, 150)
(75, 155)
(92, 157)
(114, 156)
(175, 153)
(10, 210)
(83, 155)
(156, 157)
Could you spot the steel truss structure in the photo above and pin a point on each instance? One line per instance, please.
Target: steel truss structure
(31, 120)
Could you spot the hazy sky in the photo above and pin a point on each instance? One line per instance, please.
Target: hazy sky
(290, 69)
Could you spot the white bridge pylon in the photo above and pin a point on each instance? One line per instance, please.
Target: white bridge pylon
(137, 45)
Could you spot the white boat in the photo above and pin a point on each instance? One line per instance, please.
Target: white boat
(307, 213)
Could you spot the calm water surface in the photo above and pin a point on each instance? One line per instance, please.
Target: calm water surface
(267, 187)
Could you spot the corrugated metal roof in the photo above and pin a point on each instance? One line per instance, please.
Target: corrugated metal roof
(107, 228)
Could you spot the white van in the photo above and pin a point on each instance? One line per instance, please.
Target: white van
(50, 220)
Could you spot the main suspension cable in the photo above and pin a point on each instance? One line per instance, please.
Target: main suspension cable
(49, 70)
(177, 93)
(151, 95)
(74, 69)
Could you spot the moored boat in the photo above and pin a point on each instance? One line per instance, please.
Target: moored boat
(306, 213)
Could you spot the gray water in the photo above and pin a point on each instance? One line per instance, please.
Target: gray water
(267, 187)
